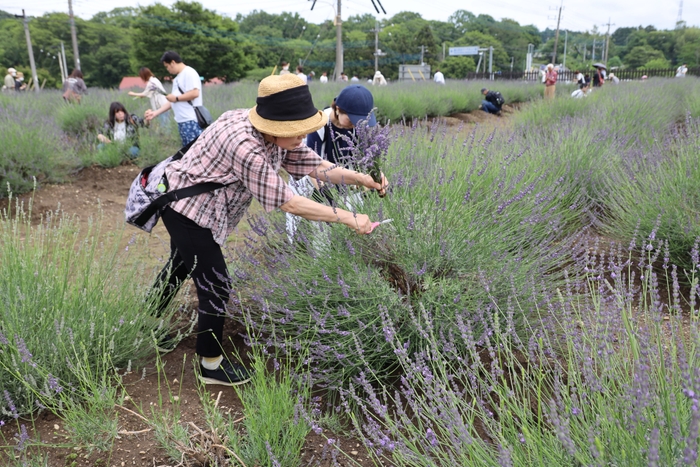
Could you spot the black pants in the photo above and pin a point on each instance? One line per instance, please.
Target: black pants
(193, 252)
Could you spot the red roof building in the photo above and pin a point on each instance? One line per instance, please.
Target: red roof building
(129, 82)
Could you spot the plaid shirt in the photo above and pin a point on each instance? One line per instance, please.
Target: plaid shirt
(232, 152)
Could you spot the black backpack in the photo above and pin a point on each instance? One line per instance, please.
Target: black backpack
(499, 98)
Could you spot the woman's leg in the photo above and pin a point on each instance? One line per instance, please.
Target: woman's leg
(203, 258)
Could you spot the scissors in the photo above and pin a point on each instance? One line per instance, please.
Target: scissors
(377, 224)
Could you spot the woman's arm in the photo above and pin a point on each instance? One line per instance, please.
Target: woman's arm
(308, 209)
(138, 94)
(328, 172)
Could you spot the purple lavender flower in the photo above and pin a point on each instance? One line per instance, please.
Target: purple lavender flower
(368, 148)
(11, 405)
(22, 437)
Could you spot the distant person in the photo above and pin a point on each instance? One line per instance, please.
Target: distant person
(301, 74)
(354, 79)
(186, 93)
(587, 79)
(379, 79)
(20, 85)
(9, 84)
(74, 88)
(681, 71)
(438, 77)
(122, 128)
(580, 79)
(582, 91)
(343, 77)
(614, 79)
(550, 82)
(310, 76)
(324, 77)
(644, 78)
(285, 68)
(598, 78)
(493, 102)
(155, 93)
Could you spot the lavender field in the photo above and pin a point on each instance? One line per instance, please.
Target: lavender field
(533, 301)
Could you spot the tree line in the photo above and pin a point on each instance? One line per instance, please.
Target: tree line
(115, 44)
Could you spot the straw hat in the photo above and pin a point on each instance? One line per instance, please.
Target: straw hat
(285, 108)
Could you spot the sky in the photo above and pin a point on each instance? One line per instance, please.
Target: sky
(576, 16)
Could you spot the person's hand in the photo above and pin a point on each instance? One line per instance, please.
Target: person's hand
(380, 187)
(103, 139)
(361, 224)
(148, 116)
(132, 93)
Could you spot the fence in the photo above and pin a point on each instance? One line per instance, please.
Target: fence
(570, 75)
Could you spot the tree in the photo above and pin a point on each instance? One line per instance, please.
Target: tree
(457, 67)
(640, 55)
(205, 40)
(688, 47)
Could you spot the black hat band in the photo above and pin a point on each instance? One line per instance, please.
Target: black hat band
(291, 104)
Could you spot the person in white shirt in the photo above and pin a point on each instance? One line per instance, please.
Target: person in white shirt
(186, 94)
(582, 91)
(154, 91)
(354, 78)
(580, 79)
(613, 78)
(324, 77)
(302, 75)
(681, 71)
(285, 68)
(379, 79)
(438, 77)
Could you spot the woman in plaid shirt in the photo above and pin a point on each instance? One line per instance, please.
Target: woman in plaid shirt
(244, 149)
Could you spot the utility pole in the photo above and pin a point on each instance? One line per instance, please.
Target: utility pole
(377, 52)
(422, 52)
(74, 36)
(556, 35)
(607, 43)
(593, 51)
(30, 50)
(65, 63)
(338, 44)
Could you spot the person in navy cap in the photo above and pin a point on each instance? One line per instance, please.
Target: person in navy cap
(332, 142)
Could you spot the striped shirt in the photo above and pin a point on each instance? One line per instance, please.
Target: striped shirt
(232, 152)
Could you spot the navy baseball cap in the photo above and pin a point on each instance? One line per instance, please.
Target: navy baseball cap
(357, 102)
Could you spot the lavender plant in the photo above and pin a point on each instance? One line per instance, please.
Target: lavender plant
(464, 220)
(74, 306)
(656, 190)
(621, 390)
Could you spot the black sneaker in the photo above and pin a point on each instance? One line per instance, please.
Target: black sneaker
(228, 374)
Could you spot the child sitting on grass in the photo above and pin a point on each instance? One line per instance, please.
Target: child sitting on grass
(122, 128)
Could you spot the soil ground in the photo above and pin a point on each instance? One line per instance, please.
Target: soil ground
(94, 192)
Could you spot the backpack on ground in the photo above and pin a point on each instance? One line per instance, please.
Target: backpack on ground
(149, 193)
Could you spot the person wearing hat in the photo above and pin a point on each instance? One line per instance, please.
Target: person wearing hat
(20, 85)
(9, 84)
(244, 150)
(353, 105)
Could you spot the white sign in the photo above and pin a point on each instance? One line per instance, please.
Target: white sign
(464, 50)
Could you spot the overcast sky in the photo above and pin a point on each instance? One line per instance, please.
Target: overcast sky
(577, 16)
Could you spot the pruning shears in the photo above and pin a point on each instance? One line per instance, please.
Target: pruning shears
(377, 224)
